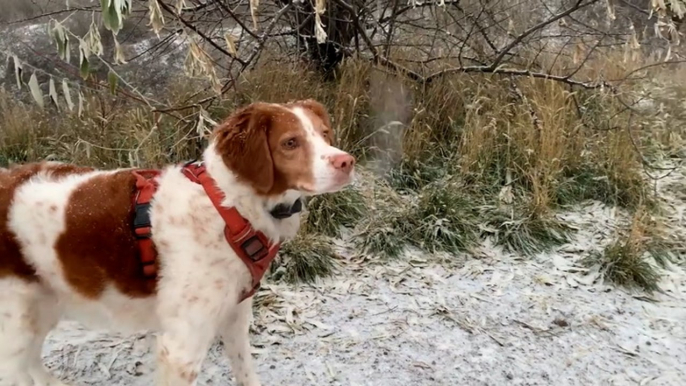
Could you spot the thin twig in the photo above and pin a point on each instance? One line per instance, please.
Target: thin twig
(199, 32)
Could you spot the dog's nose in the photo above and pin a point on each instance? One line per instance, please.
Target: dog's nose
(343, 162)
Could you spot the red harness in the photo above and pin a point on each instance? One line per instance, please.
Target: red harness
(253, 247)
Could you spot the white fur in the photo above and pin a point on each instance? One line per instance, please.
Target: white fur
(200, 281)
(28, 312)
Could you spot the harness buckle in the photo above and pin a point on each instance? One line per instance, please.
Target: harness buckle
(254, 248)
(193, 170)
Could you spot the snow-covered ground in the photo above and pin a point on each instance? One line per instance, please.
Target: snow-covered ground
(486, 319)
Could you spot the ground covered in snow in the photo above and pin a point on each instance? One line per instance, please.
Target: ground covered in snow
(486, 319)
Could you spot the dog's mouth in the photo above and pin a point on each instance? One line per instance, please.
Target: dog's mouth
(333, 185)
(307, 190)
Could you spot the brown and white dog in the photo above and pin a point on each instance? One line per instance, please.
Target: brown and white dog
(67, 249)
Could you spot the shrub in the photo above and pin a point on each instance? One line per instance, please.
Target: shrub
(304, 259)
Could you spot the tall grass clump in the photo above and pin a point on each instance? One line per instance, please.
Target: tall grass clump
(634, 258)
(444, 218)
(304, 259)
(520, 229)
(384, 231)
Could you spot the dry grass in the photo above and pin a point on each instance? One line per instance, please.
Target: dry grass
(108, 134)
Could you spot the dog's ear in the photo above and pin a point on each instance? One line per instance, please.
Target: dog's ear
(243, 142)
(317, 108)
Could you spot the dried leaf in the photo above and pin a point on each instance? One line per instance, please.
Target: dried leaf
(674, 36)
(198, 63)
(119, 57)
(632, 46)
(319, 33)
(633, 42)
(36, 92)
(112, 80)
(610, 9)
(84, 65)
(230, 43)
(156, 17)
(80, 104)
(206, 115)
(126, 7)
(17, 70)
(511, 27)
(180, 5)
(579, 50)
(94, 40)
(88, 147)
(112, 14)
(61, 38)
(52, 92)
(67, 52)
(679, 8)
(67, 95)
(200, 126)
(254, 4)
(320, 6)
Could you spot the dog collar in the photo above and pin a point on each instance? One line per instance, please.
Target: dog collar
(282, 211)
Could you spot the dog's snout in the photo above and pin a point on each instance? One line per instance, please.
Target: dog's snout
(343, 162)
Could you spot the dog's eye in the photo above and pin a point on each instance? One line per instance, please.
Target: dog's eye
(290, 144)
(327, 136)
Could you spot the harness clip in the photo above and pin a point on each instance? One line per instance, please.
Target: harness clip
(254, 248)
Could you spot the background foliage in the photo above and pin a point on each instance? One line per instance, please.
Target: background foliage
(473, 119)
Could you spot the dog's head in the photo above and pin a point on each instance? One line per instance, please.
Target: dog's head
(280, 147)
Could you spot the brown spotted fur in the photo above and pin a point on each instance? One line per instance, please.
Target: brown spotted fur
(251, 141)
(11, 260)
(98, 246)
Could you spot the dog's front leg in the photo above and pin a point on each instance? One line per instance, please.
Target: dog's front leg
(180, 358)
(183, 344)
(235, 335)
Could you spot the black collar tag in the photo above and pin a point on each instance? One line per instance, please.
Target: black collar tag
(283, 211)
